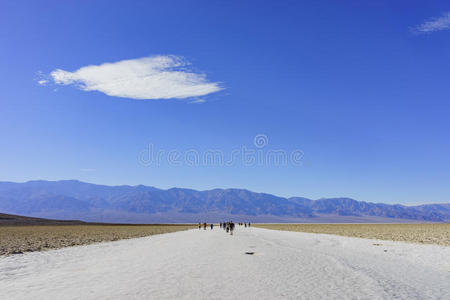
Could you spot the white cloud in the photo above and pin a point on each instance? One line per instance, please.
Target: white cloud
(435, 24)
(154, 77)
(87, 170)
(197, 101)
(41, 78)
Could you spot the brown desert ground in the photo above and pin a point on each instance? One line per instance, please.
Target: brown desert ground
(430, 233)
(27, 238)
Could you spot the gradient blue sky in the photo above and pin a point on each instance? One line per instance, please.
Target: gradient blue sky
(361, 87)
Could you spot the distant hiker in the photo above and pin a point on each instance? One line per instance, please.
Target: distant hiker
(204, 226)
(231, 227)
(199, 225)
(248, 224)
(212, 226)
(245, 224)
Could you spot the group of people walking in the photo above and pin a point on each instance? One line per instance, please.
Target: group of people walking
(244, 224)
(204, 225)
(227, 226)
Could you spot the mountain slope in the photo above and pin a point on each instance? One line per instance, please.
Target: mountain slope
(14, 220)
(71, 199)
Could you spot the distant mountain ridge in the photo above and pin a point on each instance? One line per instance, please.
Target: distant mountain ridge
(72, 199)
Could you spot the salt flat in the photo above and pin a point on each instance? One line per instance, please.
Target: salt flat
(199, 264)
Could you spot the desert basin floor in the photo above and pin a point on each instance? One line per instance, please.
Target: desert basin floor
(210, 264)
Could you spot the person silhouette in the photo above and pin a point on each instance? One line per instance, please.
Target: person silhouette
(231, 227)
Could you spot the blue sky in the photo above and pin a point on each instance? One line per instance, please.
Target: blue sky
(360, 89)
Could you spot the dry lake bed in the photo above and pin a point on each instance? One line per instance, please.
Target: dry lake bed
(429, 233)
(30, 238)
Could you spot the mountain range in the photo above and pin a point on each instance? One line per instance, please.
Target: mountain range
(72, 199)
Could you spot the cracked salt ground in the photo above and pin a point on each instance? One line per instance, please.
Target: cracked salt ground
(211, 265)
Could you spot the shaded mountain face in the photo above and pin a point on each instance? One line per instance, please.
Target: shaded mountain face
(71, 199)
(14, 220)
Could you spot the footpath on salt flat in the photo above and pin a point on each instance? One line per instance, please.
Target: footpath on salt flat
(210, 264)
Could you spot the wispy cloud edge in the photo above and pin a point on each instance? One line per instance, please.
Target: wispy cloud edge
(434, 24)
(197, 101)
